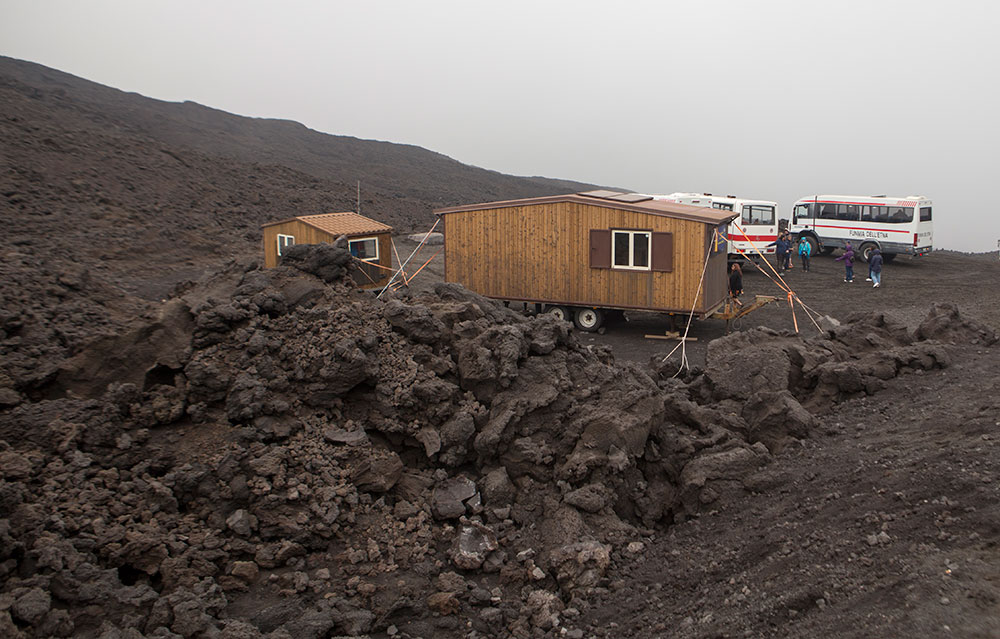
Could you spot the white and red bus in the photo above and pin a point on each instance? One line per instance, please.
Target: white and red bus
(752, 231)
(894, 225)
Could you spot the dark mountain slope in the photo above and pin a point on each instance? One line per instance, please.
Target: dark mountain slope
(382, 167)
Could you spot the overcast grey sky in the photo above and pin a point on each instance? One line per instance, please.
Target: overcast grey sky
(770, 100)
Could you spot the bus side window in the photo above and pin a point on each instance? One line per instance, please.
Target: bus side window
(895, 214)
(900, 214)
(847, 212)
(828, 211)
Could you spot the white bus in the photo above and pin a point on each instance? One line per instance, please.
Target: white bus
(752, 231)
(894, 225)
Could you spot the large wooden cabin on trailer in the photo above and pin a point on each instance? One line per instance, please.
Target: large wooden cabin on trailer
(368, 240)
(581, 254)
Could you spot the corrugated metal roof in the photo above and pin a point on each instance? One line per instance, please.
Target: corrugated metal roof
(341, 223)
(611, 199)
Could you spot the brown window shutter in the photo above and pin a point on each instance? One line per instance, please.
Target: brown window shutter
(600, 248)
(663, 252)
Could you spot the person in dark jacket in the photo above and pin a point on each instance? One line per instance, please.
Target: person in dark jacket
(848, 259)
(875, 266)
(735, 281)
(781, 248)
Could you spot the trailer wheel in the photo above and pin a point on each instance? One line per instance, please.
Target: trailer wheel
(866, 250)
(588, 319)
(561, 312)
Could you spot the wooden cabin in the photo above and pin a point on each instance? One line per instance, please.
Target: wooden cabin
(581, 254)
(368, 240)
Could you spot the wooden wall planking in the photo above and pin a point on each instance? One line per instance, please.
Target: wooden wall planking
(308, 234)
(303, 233)
(541, 252)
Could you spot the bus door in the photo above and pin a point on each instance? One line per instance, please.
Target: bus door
(804, 214)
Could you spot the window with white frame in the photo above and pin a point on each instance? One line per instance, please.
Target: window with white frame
(284, 241)
(364, 248)
(630, 250)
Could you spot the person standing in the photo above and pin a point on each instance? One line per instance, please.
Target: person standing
(848, 259)
(735, 282)
(875, 266)
(805, 250)
(791, 245)
(781, 248)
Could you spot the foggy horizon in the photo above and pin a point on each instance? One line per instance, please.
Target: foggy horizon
(774, 100)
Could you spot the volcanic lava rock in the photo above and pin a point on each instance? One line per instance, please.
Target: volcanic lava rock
(451, 496)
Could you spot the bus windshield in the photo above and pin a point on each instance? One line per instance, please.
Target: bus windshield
(757, 214)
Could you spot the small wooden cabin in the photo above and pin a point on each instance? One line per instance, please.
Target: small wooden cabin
(369, 241)
(583, 253)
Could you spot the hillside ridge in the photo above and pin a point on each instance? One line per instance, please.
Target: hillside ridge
(380, 166)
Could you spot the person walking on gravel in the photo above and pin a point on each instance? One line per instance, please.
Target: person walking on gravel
(805, 250)
(848, 259)
(875, 266)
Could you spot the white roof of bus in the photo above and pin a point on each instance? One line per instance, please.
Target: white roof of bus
(873, 199)
(716, 198)
(677, 196)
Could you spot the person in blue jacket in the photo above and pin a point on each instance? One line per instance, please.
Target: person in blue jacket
(805, 250)
(848, 259)
(875, 266)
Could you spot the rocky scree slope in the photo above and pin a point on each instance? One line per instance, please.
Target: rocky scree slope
(280, 454)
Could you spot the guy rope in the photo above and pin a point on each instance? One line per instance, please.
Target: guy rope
(401, 272)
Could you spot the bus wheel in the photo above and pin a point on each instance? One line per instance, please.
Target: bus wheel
(813, 244)
(866, 250)
(588, 319)
(560, 312)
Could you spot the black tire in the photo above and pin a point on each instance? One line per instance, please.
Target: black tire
(865, 251)
(588, 319)
(561, 312)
